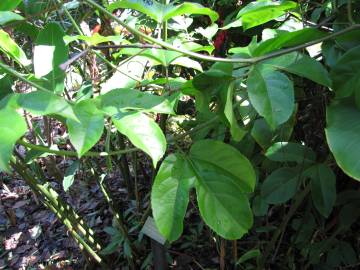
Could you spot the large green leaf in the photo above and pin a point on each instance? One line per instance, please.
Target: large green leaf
(222, 176)
(217, 194)
(228, 159)
(9, 47)
(49, 53)
(8, 16)
(45, 103)
(87, 131)
(288, 39)
(143, 132)
(119, 100)
(6, 5)
(290, 152)
(260, 12)
(342, 133)
(280, 186)
(272, 95)
(160, 12)
(301, 65)
(12, 127)
(346, 73)
(323, 188)
(170, 195)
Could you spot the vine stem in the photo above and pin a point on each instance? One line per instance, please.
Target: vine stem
(246, 61)
(73, 153)
(16, 74)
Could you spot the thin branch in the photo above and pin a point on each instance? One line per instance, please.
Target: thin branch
(73, 153)
(64, 66)
(122, 46)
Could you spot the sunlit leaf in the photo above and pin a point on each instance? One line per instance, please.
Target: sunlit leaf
(12, 126)
(9, 47)
(8, 16)
(50, 52)
(143, 132)
(87, 131)
(170, 195)
(272, 95)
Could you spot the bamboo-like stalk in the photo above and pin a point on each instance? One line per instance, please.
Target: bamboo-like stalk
(52, 201)
(51, 195)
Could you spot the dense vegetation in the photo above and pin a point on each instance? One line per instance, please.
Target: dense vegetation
(235, 125)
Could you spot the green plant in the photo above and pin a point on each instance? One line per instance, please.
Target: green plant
(238, 151)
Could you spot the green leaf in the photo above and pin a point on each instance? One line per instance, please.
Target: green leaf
(290, 152)
(170, 195)
(346, 73)
(119, 100)
(151, 8)
(301, 65)
(237, 133)
(227, 159)
(254, 253)
(70, 175)
(217, 194)
(164, 57)
(49, 53)
(8, 16)
(6, 5)
(288, 39)
(92, 40)
(212, 81)
(280, 186)
(45, 103)
(265, 137)
(224, 176)
(342, 133)
(143, 132)
(87, 131)
(188, 8)
(6, 85)
(10, 48)
(260, 12)
(160, 12)
(272, 95)
(12, 127)
(34, 7)
(323, 188)
(259, 206)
